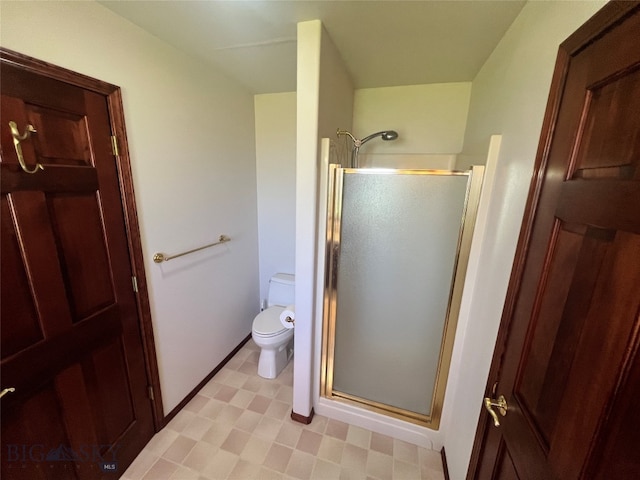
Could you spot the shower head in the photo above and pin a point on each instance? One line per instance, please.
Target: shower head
(389, 135)
(385, 135)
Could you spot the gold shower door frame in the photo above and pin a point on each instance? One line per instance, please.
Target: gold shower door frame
(330, 301)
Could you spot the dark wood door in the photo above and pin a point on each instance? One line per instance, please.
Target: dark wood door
(72, 345)
(567, 359)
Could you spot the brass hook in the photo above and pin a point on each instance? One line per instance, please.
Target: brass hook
(17, 138)
(7, 390)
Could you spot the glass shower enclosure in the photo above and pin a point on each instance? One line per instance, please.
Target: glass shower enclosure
(397, 249)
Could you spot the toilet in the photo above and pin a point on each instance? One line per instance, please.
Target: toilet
(275, 341)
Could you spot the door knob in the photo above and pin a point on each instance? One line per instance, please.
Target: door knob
(500, 404)
(7, 390)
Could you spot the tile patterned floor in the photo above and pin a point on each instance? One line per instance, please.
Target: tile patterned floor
(238, 427)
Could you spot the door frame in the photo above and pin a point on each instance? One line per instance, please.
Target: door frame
(609, 15)
(115, 108)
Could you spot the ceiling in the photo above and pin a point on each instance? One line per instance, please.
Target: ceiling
(383, 42)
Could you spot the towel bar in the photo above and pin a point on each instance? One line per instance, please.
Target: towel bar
(163, 257)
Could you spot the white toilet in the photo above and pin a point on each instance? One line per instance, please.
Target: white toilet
(274, 340)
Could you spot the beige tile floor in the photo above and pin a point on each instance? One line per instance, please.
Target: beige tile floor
(239, 427)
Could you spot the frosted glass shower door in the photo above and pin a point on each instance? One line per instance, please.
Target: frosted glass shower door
(397, 241)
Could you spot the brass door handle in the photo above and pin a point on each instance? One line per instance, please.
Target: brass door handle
(500, 404)
(17, 138)
(7, 390)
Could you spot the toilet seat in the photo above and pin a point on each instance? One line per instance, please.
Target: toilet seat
(267, 323)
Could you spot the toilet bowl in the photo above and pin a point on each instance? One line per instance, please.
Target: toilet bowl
(268, 332)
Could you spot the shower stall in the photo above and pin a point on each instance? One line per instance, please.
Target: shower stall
(397, 244)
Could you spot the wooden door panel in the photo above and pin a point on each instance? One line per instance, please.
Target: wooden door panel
(505, 469)
(39, 255)
(62, 137)
(108, 371)
(76, 221)
(600, 356)
(610, 127)
(618, 444)
(561, 308)
(76, 411)
(25, 453)
(16, 301)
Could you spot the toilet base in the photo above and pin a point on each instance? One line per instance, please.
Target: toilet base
(272, 361)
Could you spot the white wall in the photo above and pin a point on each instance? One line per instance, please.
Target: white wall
(508, 97)
(276, 177)
(430, 121)
(430, 118)
(325, 101)
(191, 139)
(336, 95)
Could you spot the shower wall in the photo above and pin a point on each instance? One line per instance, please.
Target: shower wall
(324, 101)
(275, 117)
(430, 119)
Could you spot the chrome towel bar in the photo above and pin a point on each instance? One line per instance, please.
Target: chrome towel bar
(163, 257)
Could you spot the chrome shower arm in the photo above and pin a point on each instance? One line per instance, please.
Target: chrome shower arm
(385, 134)
(356, 142)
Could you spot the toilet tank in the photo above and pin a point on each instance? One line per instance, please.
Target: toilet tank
(281, 290)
